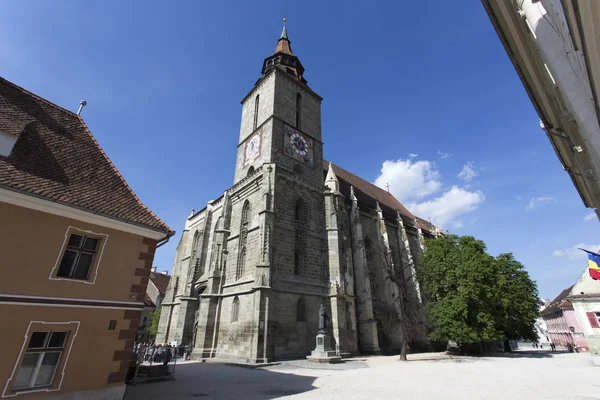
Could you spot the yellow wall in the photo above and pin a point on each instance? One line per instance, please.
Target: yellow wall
(91, 356)
(30, 244)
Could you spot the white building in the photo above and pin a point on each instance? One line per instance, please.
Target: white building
(585, 297)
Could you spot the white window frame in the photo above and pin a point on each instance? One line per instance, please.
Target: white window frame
(73, 327)
(95, 263)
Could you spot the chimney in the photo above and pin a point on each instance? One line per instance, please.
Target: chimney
(153, 269)
(82, 104)
(165, 272)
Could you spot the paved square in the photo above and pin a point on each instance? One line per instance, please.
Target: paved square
(524, 375)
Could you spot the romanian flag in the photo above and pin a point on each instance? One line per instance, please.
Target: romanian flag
(593, 264)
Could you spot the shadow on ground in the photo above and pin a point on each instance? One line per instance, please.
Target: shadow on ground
(217, 381)
(528, 354)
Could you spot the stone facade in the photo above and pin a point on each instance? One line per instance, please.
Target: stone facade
(254, 266)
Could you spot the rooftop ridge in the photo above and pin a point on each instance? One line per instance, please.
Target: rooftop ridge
(48, 102)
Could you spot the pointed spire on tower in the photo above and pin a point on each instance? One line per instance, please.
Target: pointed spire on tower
(284, 31)
(284, 58)
(283, 44)
(331, 180)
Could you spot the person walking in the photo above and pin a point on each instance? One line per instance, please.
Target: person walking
(167, 355)
(159, 353)
(151, 352)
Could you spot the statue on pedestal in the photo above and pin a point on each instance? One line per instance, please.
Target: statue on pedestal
(323, 318)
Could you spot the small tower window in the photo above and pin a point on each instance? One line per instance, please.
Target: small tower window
(235, 309)
(298, 109)
(256, 106)
(250, 171)
(241, 265)
(299, 210)
(297, 262)
(301, 310)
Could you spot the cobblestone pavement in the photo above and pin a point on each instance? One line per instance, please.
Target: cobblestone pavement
(524, 375)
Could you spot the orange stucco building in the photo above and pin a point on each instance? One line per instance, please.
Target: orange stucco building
(76, 251)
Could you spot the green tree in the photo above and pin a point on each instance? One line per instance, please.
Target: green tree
(459, 284)
(154, 319)
(518, 300)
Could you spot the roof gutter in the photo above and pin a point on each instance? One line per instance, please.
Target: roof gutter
(165, 240)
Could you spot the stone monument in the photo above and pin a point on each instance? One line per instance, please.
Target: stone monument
(323, 353)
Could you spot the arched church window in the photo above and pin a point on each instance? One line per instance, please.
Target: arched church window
(195, 244)
(256, 106)
(250, 171)
(297, 261)
(370, 258)
(245, 214)
(298, 109)
(235, 309)
(301, 310)
(299, 210)
(241, 265)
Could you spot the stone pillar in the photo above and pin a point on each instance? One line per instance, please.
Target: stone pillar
(407, 254)
(334, 213)
(367, 326)
(262, 276)
(261, 351)
(209, 304)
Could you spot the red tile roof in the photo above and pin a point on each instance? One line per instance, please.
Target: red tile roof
(558, 302)
(57, 158)
(367, 194)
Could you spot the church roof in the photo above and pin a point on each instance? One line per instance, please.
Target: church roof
(369, 194)
(57, 158)
(426, 225)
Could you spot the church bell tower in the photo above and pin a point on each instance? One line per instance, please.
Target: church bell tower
(281, 118)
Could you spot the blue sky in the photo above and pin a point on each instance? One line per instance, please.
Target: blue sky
(423, 98)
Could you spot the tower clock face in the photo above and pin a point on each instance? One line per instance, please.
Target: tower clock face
(297, 145)
(252, 150)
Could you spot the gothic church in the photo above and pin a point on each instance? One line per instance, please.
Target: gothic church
(293, 232)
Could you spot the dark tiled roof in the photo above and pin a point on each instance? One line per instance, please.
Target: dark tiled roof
(558, 302)
(57, 158)
(367, 194)
(161, 281)
(425, 225)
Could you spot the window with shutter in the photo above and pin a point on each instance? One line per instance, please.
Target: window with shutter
(594, 319)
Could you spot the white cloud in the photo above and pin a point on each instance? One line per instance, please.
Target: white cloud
(518, 197)
(590, 217)
(467, 173)
(538, 201)
(443, 155)
(409, 179)
(573, 253)
(413, 155)
(445, 209)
